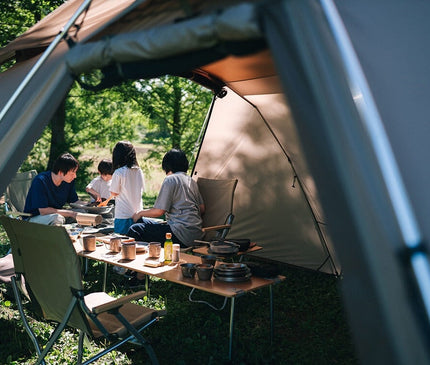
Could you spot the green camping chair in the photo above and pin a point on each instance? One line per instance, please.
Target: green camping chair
(218, 197)
(44, 255)
(16, 193)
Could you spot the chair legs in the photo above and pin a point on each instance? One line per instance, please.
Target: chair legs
(27, 327)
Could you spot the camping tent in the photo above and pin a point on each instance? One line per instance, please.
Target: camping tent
(312, 99)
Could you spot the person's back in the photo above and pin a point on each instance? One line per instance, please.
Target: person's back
(127, 185)
(182, 206)
(128, 182)
(179, 200)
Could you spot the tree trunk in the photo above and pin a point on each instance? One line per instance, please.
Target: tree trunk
(58, 138)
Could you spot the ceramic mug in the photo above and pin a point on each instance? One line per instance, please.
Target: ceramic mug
(115, 244)
(154, 249)
(128, 250)
(89, 243)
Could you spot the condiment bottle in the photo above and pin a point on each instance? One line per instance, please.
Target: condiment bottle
(168, 248)
(175, 254)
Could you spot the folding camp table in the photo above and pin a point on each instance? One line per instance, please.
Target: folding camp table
(173, 273)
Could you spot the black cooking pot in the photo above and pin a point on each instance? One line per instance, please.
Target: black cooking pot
(242, 242)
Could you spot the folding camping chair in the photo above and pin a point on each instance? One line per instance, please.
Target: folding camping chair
(218, 199)
(44, 255)
(16, 193)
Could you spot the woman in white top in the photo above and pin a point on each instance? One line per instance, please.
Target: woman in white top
(128, 185)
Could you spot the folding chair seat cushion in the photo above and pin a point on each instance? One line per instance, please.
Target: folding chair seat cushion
(135, 314)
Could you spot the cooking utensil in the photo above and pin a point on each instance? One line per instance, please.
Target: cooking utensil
(223, 247)
(92, 209)
(104, 203)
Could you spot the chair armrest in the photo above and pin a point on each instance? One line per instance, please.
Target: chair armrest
(17, 214)
(118, 302)
(216, 228)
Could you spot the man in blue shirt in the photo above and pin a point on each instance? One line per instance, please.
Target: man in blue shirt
(50, 190)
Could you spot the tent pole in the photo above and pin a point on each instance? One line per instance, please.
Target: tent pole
(44, 56)
(391, 175)
(199, 140)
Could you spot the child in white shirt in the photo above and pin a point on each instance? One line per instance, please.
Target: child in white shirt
(127, 186)
(99, 188)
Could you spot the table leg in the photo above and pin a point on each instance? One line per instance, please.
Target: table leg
(230, 345)
(147, 285)
(271, 314)
(105, 277)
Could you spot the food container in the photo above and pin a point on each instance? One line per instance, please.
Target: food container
(204, 271)
(188, 270)
(208, 259)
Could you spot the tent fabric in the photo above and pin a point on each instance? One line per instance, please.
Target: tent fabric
(276, 202)
(233, 24)
(382, 304)
(310, 157)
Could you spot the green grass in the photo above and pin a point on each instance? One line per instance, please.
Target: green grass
(309, 326)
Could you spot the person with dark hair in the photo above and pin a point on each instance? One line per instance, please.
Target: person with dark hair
(99, 187)
(179, 200)
(50, 190)
(127, 185)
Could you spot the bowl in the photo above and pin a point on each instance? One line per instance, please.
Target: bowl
(204, 271)
(208, 259)
(188, 270)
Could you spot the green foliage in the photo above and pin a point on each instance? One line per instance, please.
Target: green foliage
(18, 16)
(100, 119)
(175, 109)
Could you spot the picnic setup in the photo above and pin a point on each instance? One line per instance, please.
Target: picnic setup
(190, 181)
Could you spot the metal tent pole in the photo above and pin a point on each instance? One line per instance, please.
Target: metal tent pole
(44, 56)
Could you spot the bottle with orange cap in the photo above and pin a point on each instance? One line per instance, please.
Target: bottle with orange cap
(168, 248)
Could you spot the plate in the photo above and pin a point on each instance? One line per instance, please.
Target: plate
(233, 279)
(232, 273)
(235, 266)
(141, 246)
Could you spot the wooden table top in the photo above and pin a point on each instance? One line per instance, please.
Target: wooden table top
(173, 272)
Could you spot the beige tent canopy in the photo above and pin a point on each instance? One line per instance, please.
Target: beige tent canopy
(320, 106)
